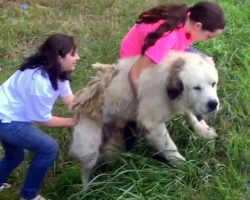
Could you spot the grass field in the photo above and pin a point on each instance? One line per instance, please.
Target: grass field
(217, 170)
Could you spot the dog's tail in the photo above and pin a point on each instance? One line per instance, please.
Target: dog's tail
(89, 100)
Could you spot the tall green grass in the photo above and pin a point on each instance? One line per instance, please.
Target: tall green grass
(218, 170)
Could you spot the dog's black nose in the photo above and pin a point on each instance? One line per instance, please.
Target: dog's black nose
(212, 105)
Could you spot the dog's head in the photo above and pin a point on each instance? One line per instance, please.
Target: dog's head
(193, 81)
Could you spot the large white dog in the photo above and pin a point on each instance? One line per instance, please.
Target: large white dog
(183, 83)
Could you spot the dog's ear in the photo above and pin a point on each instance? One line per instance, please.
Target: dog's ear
(174, 84)
(174, 88)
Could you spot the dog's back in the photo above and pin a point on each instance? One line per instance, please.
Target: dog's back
(119, 97)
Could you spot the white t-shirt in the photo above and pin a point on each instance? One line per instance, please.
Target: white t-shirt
(28, 96)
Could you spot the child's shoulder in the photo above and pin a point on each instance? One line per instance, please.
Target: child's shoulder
(37, 79)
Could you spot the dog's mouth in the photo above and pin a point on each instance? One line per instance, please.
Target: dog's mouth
(210, 107)
(199, 117)
(200, 113)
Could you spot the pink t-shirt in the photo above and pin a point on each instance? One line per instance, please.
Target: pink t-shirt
(132, 43)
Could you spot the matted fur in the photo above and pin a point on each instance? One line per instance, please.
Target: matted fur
(88, 101)
(182, 83)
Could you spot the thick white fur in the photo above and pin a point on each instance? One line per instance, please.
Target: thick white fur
(153, 107)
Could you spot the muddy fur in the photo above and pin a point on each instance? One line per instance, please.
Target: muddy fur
(89, 100)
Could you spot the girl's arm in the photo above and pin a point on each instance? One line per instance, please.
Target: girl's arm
(67, 101)
(61, 121)
(135, 71)
(58, 122)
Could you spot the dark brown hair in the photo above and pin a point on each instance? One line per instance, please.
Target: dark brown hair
(208, 13)
(46, 57)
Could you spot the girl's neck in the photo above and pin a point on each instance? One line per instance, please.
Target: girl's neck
(187, 26)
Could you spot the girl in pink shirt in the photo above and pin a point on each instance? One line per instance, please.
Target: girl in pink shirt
(165, 28)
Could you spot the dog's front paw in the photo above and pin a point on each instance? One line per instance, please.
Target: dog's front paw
(206, 132)
(210, 134)
(174, 157)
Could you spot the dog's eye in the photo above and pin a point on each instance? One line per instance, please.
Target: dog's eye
(213, 84)
(198, 88)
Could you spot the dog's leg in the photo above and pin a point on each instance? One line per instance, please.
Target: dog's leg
(87, 165)
(87, 139)
(159, 137)
(113, 141)
(200, 127)
(85, 175)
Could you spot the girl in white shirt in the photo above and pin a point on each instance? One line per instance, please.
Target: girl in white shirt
(28, 96)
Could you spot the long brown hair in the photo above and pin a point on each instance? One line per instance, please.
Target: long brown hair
(46, 57)
(208, 13)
